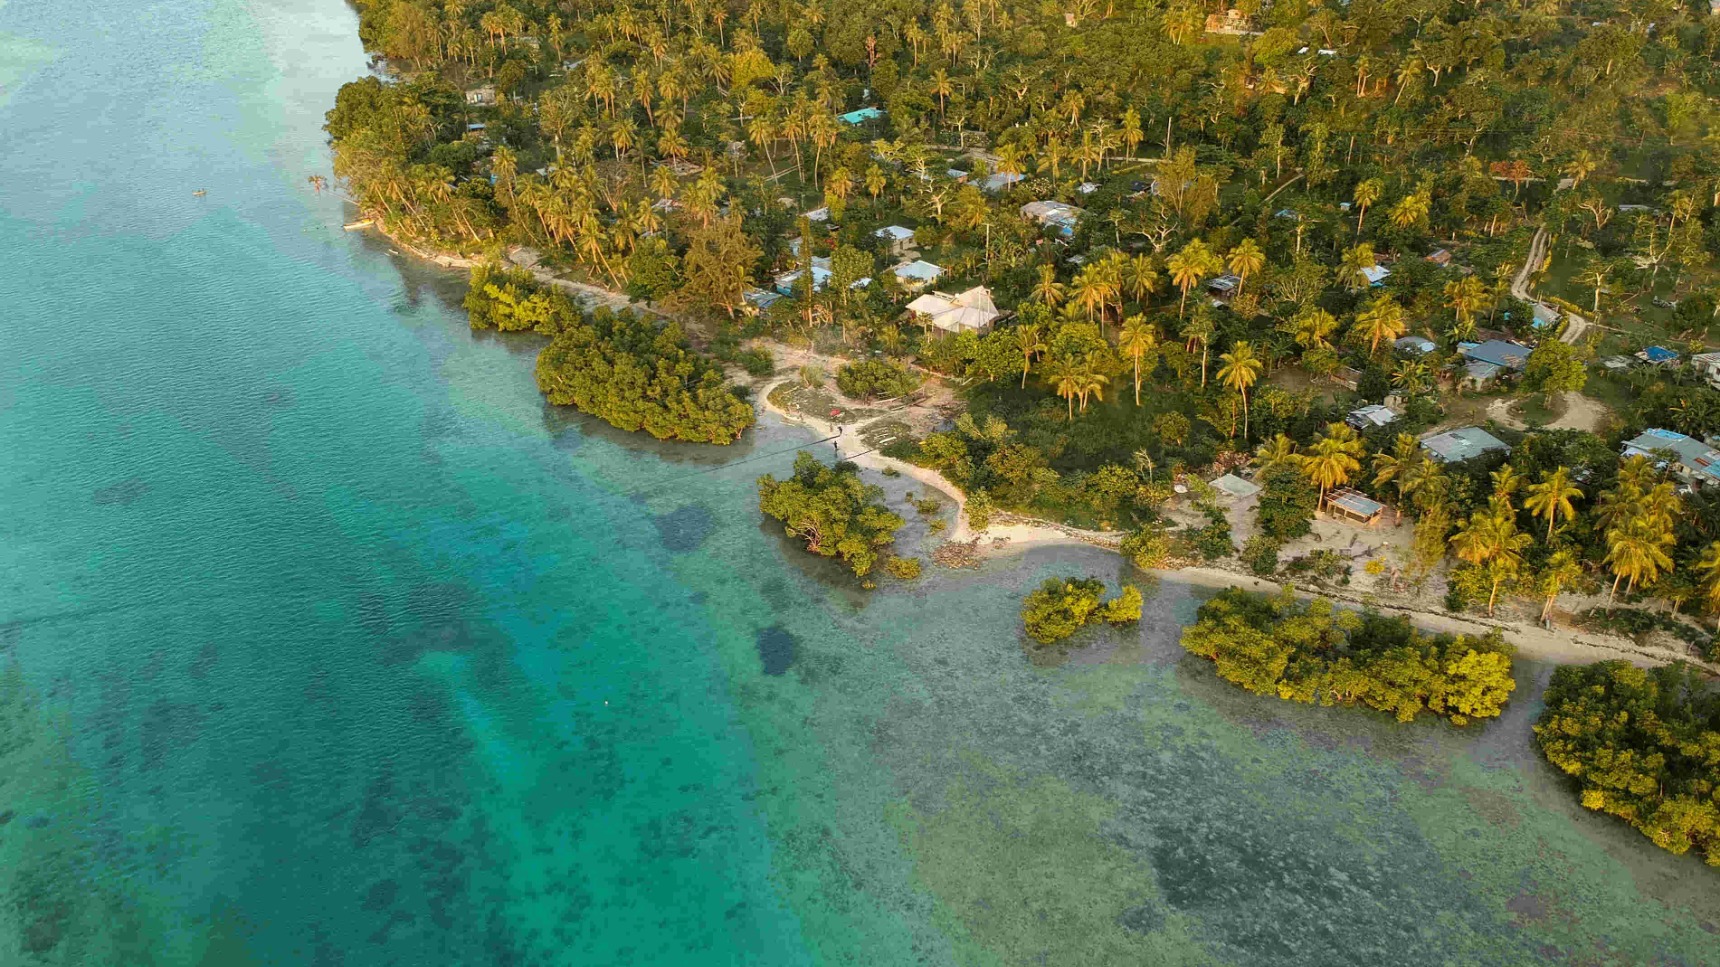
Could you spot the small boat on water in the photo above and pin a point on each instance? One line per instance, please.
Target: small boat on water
(199, 193)
(360, 224)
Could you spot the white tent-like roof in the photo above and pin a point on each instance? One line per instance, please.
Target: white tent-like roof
(972, 310)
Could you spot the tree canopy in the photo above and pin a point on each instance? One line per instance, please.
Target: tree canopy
(1311, 651)
(1640, 745)
(833, 511)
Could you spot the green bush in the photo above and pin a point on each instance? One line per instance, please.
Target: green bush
(875, 379)
(1062, 606)
(510, 300)
(1213, 540)
(903, 568)
(1311, 651)
(756, 362)
(1260, 553)
(1640, 745)
(833, 511)
(1285, 510)
(1149, 547)
(637, 375)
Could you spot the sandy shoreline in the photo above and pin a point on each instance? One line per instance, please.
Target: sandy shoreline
(1561, 646)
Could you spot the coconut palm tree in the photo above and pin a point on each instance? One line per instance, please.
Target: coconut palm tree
(1246, 261)
(1092, 383)
(1188, 267)
(1636, 552)
(1708, 578)
(1411, 209)
(1353, 270)
(1029, 341)
(1240, 370)
(1410, 377)
(1553, 497)
(1561, 569)
(1383, 319)
(1489, 539)
(1048, 290)
(1398, 467)
(1311, 328)
(1137, 340)
(1280, 451)
(1065, 376)
(1088, 291)
(1199, 328)
(1332, 458)
(1464, 297)
(1506, 481)
(1140, 277)
(1367, 192)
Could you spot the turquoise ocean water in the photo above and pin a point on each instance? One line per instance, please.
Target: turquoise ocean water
(324, 642)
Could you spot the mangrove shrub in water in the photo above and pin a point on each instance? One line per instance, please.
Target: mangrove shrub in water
(1311, 651)
(1062, 606)
(629, 371)
(833, 511)
(1643, 746)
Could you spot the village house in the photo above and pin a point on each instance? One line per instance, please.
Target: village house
(1487, 361)
(1414, 345)
(1658, 356)
(1354, 506)
(1466, 443)
(1692, 460)
(861, 116)
(1000, 181)
(482, 96)
(970, 311)
(1223, 288)
(1054, 215)
(820, 276)
(1707, 366)
(897, 239)
(917, 274)
(1371, 416)
(1231, 21)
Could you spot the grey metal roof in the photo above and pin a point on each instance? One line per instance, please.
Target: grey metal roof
(1466, 443)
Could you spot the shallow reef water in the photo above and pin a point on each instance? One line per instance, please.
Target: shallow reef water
(324, 641)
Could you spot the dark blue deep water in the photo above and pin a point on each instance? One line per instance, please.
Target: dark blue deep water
(324, 642)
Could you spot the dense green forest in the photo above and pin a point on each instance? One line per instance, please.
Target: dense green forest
(1311, 651)
(1359, 172)
(1641, 745)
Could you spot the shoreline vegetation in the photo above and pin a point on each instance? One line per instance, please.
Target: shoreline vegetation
(1367, 321)
(1310, 652)
(1015, 533)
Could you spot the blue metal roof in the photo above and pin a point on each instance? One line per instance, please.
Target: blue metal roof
(1507, 355)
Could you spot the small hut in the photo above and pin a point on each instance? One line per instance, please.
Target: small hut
(1354, 506)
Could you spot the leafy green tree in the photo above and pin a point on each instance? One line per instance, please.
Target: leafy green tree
(1311, 651)
(833, 511)
(1062, 606)
(873, 379)
(1640, 745)
(1555, 367)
